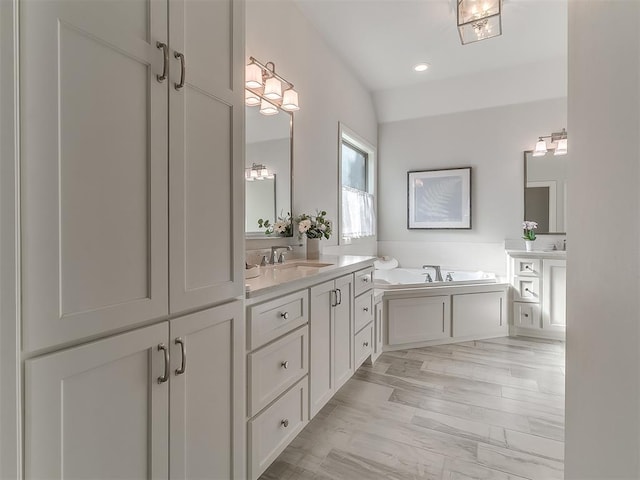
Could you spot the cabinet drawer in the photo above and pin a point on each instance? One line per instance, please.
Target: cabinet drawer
(272, 430)
(363, 281)
(526, 266)
(527, 289)
(273, 319)
(363, 310)
(364, 344)
(526, 315)
(276, 367)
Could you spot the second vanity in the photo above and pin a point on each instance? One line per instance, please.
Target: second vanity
(310, 325)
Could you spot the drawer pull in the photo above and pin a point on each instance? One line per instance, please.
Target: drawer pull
(365, 279)
(183, 351)
(365, 344)
(366, 309)
(285, 423)
(285, 315)
(527, 290)
(527, 267)
(285, 365)
(165, 376)
(165, 55)
(526, 315)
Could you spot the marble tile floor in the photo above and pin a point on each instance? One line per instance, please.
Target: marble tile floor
(490, 410)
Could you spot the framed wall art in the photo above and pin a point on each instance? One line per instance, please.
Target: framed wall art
(439, 199)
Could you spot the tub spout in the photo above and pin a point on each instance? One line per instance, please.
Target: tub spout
(437, 269)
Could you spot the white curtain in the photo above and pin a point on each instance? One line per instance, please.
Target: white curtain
(358, 213)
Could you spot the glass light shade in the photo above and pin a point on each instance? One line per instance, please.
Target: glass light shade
(541, 148)
(273, 89)
(483, 29)
(561, 149)
(253, 76)
(290, 100)
(267, 109)
(264, 172)
(254, 173)
(251, 99)
(469, 10)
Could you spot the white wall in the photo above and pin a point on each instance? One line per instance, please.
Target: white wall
(492, 141)
(603, 368)
(278, 32)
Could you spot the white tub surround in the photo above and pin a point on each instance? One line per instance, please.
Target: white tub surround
(538, 281)
(310, 325)
(417, 278)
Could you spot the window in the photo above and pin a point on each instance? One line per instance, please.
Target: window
(357, 192)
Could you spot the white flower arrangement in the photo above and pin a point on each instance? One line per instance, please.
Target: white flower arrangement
(529, 227)
(314, 226)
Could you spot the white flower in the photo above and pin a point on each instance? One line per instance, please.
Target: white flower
(280, 226)
(322, 227)
(528, 225)
(304, 225)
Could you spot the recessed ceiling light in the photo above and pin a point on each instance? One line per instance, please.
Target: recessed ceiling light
(421, 67)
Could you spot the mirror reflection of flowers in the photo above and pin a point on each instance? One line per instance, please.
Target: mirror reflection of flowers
(283, 226)
(529, 227)
(314, 226)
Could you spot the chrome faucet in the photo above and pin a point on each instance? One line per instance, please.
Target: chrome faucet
(449, 277)
(274, 258)
(428, 278)
(437, 269)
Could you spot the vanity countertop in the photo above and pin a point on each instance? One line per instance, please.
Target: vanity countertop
(296, 274)
(538, 253)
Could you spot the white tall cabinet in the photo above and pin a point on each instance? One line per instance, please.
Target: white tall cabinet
(131, 239)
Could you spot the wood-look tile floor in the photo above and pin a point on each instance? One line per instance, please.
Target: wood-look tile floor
(490, 409)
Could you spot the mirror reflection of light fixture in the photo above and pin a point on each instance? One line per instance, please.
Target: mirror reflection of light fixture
(559, 138)
(257, 172)
(479, 20)
(262, 82)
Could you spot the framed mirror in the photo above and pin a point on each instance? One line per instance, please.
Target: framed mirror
(268, 168)
(545, 192)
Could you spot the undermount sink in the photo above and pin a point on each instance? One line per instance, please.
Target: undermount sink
(303, 266)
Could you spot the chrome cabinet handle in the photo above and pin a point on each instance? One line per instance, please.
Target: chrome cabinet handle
(165, 376)
(365, 344)
(527, 290)
(180, 57)
(366, 309)
(526, 315)
(285, 364)
(527, 267)
(339, 292)
(285, 315)
(285, 423)
(165, 65)
(183, 352)
(334, 301)
(365, 279)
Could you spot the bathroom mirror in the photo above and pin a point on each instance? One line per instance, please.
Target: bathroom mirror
(545, 191)
(269, 145)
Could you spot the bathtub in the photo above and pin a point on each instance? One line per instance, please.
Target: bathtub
(416, 278)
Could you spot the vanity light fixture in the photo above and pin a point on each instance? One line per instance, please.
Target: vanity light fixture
(479, 20)
(266, 88)
(257, 172)
(559, 138)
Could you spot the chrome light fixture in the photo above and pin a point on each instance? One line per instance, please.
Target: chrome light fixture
(479, 20)
(266, 88)
(257, 172)
(559, 138)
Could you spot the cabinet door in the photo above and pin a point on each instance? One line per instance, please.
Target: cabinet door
(207, 400)
(320, 346)
(419, 319)
(98, 411)
(93, 167)
(206, 132)
(343, 356)
(554, 288)
(479, 314)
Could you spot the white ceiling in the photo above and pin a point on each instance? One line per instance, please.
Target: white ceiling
(381, 40)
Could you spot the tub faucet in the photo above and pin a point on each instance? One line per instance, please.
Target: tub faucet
(449, 277)
(428, 278)
(437, 269)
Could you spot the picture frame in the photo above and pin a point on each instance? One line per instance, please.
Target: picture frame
(439, 199)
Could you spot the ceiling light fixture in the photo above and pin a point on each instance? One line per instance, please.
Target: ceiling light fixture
(421, 67)
(266, 88)
(559, 138)
(479, 20)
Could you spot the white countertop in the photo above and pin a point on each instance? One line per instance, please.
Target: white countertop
(282, 278)
(538, 253)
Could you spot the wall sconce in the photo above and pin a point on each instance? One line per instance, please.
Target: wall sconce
(257, 172)
(479, 20)
(559, 138)
(266, 88)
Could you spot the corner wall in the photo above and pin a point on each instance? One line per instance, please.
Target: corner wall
(329, 93)
(603, 262)
(492, 141)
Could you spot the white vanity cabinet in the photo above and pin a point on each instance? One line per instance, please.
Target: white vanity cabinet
(538, 281)
(136, 404)
(331, 333)
(364, 315)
